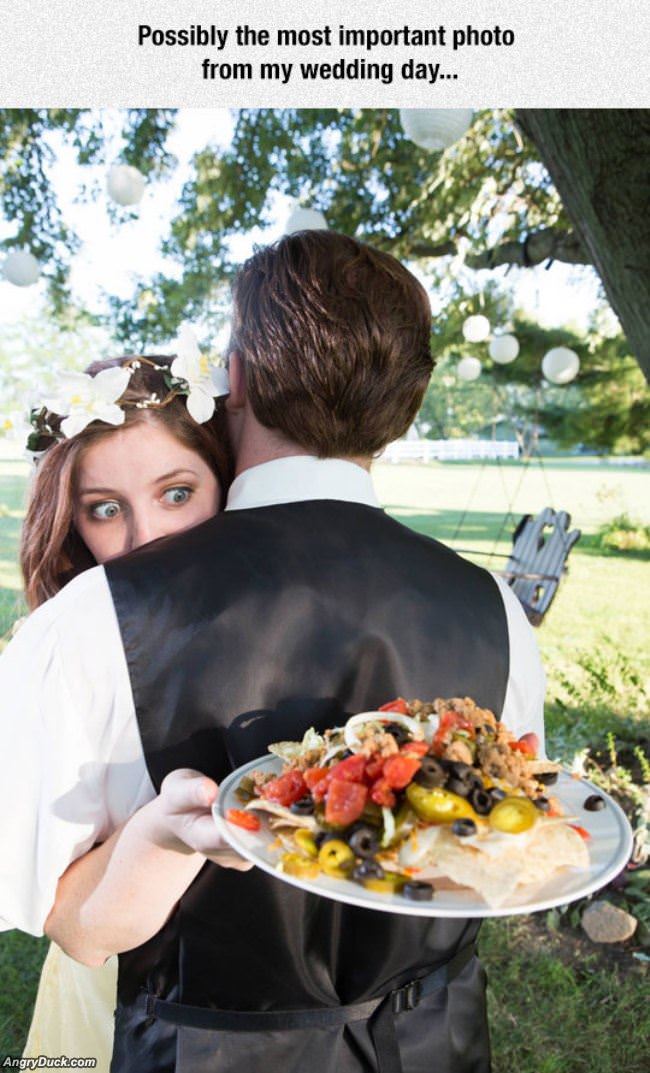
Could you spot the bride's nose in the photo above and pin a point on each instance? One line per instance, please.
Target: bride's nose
(144, 527)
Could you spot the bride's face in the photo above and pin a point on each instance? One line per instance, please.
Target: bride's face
(137, 484)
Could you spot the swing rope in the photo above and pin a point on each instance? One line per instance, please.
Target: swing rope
(510, 502)
(470, 500)
(509, 516)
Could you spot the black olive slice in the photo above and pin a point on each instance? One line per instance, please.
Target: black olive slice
(497, 794)
(368, 869)
(460, 770)
(458, 786)
(463, 828)
(363, 842)
(549, 778)
(417, 890)
(397, 731)
(430, 773)
(481, 801)
(594, 803)
(324, 836)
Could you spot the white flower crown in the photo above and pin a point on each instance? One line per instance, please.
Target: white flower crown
(82, 398)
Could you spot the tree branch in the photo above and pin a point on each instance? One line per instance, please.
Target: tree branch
(430, 249)
(538, 246)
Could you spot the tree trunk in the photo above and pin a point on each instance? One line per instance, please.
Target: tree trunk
(599, 161)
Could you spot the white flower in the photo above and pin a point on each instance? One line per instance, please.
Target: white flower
(579, 763)
(87, 398)
(204, 381)
(16, 425)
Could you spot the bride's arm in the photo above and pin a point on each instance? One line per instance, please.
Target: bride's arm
(67, 722)
(121, 892)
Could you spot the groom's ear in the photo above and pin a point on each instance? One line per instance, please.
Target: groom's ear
(237, 396)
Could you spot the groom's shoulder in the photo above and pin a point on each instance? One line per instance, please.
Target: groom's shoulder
(283, 530)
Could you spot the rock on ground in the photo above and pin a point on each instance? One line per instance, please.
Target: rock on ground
(606, 923)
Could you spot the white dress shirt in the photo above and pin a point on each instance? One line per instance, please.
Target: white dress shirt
(73, 768)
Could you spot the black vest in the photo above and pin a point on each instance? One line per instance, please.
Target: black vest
(249, 629)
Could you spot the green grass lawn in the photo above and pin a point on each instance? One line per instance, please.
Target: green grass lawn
(556, 1005)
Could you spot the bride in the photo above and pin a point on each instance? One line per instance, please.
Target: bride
(99, 492)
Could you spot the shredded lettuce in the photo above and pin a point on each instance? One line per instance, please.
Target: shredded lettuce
(292, 750)
(389, 827)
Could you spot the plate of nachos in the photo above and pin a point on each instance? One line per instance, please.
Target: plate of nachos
(424, 808)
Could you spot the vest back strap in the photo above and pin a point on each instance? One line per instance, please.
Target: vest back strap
(378, 1011)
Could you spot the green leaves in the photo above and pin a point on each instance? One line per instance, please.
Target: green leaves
(30, 142)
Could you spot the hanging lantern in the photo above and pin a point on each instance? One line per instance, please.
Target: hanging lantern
(476, 329)
(300, 219)
(125, 184)
(504, 349)
(435, 128)
(21, 268)
(560, 365)
(468, 369)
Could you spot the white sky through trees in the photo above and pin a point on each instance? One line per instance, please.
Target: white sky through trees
(113, 255)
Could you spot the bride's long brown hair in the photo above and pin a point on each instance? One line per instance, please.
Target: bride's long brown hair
(51, 550)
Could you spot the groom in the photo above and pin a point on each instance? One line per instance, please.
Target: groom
(299, 605)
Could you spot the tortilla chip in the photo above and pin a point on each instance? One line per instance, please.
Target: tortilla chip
(496, 876)
(553, 846)
(542, 767)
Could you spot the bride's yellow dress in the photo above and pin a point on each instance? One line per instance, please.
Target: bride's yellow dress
(73, 1014)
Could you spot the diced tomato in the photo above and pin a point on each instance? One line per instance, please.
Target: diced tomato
(319, 791)
(374, 767)
(350, 769)
(313, 775)
(382, 794)
(522, 747)
(450, 721)
(345, 802)
(286, 789)
(399, 770)
(581, 831)
(415, 748)
(397, 705)
(248, 820)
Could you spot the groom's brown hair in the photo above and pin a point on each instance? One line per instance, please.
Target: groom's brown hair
(335, 340)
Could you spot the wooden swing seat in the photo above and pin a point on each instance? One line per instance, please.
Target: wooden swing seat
(538, 559)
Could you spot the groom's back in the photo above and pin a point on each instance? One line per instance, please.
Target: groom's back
(263, 622)
(250, 629)
(266, 621)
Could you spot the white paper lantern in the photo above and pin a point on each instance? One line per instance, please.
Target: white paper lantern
(125, 184)
(300, 219)
(504, 349)
(560, 365)
(435, 128)
(21, 268)
(476, 329)
(468, 368)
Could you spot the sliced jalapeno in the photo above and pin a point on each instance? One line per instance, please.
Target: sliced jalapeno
(336, 858)
(436, 805)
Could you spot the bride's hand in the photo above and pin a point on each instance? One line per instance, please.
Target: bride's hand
(183, 818)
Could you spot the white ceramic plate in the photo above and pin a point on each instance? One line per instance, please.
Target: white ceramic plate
(609, 850)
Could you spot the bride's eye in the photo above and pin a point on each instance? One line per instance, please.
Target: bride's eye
(175, 497)
(103, 512)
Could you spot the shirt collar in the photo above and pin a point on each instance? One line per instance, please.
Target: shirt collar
(299, 478)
